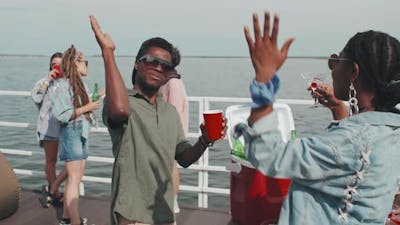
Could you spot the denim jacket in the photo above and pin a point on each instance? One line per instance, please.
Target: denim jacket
(42, 96)
(345, 175)
(63, 107)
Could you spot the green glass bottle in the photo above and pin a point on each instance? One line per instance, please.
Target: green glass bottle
(293, 134)
(95, 95)
(238, 149)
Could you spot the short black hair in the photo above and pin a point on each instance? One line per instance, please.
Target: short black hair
(157, 42)
(152, 42)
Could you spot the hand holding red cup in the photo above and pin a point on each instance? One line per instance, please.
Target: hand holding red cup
(214, 124)
(57, 71)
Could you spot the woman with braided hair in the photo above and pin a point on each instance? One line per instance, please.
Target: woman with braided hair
(349, 173)
(377, 57)
(73, 108)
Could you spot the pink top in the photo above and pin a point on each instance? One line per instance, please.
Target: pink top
(174, 92)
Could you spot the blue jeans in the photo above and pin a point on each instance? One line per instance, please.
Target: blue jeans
(71, 145)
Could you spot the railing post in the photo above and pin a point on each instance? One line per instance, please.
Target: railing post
(200, 173)
(203, 161)
(203, 166)
(81, 189)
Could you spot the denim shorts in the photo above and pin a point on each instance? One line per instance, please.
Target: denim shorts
(71, 145)
(43, 137)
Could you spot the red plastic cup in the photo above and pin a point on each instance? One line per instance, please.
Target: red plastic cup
(395, 217)
(57, 70)
(213, 124)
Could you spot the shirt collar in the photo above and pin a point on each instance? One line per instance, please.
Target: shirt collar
(134, 93)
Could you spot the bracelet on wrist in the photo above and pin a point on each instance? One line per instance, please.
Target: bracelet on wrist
(264, 93)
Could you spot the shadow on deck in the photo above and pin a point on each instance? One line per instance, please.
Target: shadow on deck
(30, 212)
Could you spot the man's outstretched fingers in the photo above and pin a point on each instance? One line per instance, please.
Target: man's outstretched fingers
(275, 30)
(286, 46)
(266, 24)
(256, 28)
(95, 26)
(249, 40)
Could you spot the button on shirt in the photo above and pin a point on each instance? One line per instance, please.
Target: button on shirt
(345, 175)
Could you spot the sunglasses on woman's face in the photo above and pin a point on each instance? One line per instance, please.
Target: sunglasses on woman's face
(85, 61)
(154, 62)
(335, 59)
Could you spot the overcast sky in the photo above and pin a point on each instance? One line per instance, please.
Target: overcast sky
(197, 27)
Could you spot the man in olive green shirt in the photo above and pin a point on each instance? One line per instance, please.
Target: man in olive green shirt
(146, 134)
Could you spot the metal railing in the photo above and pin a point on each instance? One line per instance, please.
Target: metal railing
(203, 167)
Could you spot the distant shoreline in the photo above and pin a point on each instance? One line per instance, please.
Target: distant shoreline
(188, 56)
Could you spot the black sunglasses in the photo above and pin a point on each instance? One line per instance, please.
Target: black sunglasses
(154, 62)
(335, 59)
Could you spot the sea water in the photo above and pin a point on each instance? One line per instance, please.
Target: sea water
(203, 76)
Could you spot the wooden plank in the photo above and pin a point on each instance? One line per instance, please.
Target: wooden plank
(97, 210)
(30, 211)
(196, 216)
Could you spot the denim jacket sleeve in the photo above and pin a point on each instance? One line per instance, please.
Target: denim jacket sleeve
(311, 158)
(63, 106)
(39, 90)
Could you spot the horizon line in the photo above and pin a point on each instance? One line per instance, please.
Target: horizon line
(133, 56)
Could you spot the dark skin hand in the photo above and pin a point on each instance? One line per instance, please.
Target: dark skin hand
(192, 154)
(265, 56)
(326, 97)
(117, 96)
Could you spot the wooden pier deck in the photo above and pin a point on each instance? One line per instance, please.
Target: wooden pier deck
(30, 212)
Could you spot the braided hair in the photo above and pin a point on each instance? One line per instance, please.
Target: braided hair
(378, 57)
(70, 72)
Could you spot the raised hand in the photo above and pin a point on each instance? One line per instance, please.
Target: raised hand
(264, 52)
(117, 96)
(103, 39)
